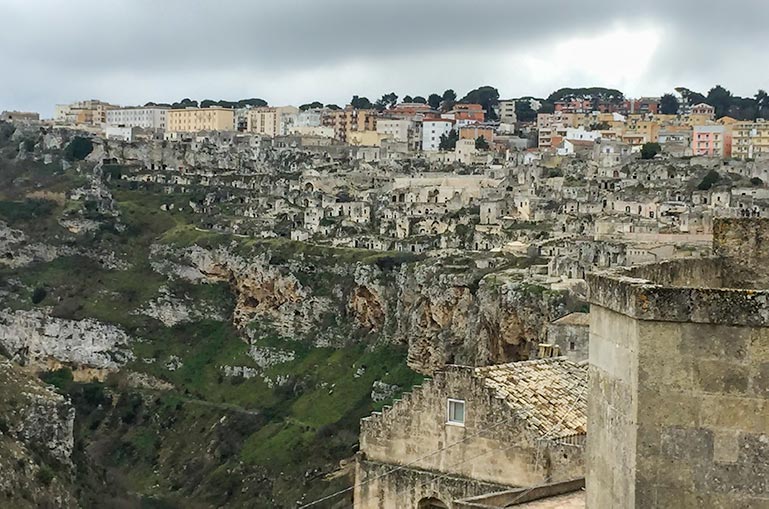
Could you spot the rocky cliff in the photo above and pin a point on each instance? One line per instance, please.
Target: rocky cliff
(36, 442)
(37, 339)
(457, 314)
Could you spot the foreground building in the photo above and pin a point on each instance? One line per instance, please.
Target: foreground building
(473, 431)
(679, 378)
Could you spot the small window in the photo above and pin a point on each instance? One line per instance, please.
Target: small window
(571, 345)
(456, 410)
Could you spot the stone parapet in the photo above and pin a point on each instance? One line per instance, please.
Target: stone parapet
(631, 292)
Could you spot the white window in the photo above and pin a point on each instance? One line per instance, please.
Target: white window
(456, 412)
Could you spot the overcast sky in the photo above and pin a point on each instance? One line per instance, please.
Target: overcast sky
(294, 51)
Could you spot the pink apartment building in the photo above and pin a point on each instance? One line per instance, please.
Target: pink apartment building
(712, 141)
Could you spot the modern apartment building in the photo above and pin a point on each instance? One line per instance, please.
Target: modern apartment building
(750, 139)
(712, 141)
(310, 118)
(272, 121)
(507, 112)
(154, 117)
(191, 120)
(350, 119)
(396, 129)
(90, 112)
(432, 130)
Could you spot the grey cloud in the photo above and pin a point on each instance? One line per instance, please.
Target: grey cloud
(139, 50)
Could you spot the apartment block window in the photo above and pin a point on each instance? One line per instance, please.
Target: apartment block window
(456, 412)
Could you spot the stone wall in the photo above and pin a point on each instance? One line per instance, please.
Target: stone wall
(679, 391)
(611, 409)
(493, 446)
(572, 340)
(746, 243)
(406, 488)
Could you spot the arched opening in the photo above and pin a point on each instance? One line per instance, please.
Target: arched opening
(431, 503)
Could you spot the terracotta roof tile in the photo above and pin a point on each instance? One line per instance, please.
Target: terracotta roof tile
(549, 393)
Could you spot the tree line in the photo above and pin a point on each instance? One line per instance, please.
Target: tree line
(724, 102)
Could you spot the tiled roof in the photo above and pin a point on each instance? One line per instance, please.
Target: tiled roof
(550, 394)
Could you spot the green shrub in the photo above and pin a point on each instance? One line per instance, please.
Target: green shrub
(61, 378)
(650, 149)
(45, 475)
(78, 149)
(39, 295)
(26, 210)
(709, 180)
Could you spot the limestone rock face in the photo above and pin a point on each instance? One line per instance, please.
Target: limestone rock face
(16, 251)
(263, 292)
(36, 442)
(450, 318)
(443, 315)
(33, 337)
(172, 310)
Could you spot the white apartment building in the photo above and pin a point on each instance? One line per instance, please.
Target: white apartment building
(581, 134)
(309, 118)
(91, 112)
(396, 129)
(432, 130)
(507, 112)
(122, 133)
(60, 112)
(147, 118)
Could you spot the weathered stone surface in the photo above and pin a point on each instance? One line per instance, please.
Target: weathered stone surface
(36, 433)
(443, 316)
(34, 337)
(173, 310)
(692, 356)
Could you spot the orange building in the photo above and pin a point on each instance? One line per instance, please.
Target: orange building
(468, 112)
(349, 120)
(472, 132)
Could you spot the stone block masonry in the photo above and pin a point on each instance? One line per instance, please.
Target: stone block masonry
(678, 407)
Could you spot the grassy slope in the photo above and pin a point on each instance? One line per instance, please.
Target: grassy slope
(173, 447)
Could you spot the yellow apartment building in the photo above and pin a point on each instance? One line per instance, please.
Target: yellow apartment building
(192, 120)
(264, 121)
(272, 121)
(750, 139)
(649, 129)
(366, 138)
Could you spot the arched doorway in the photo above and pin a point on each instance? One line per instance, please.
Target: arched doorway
(431, 503)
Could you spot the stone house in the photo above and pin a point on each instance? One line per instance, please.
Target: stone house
(471, 431)
(570, 335)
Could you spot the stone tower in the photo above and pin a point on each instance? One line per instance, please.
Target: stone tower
(678, 406)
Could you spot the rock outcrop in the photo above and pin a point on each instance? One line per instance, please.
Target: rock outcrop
(444, 315)
(172, 309)
(35, 338)
(36, 442)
